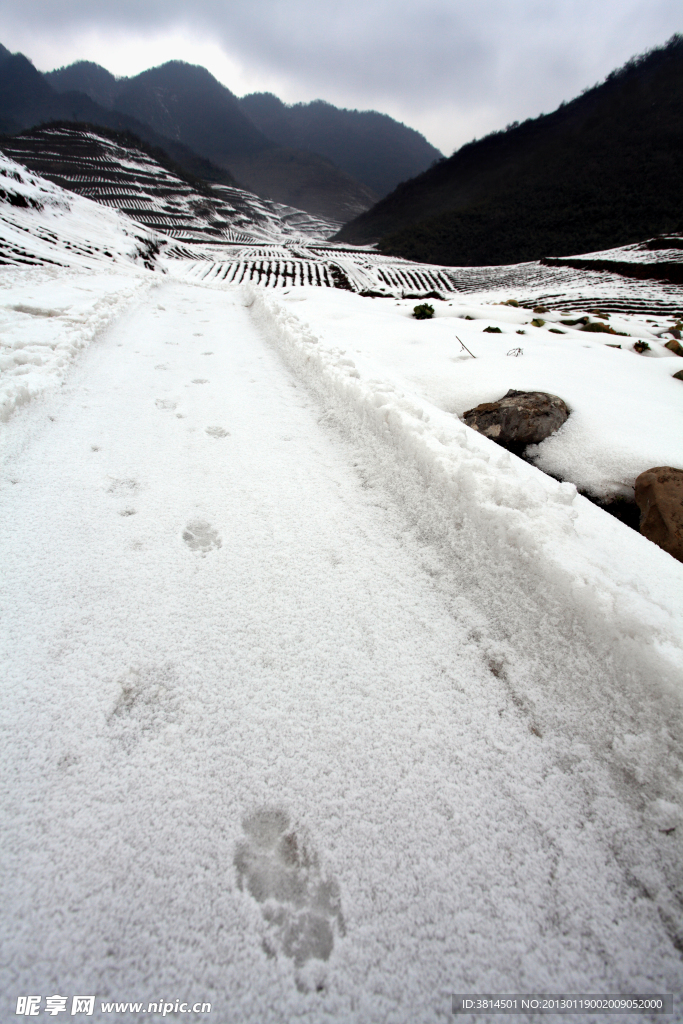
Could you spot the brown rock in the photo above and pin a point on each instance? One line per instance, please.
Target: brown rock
(519, 418)
(659, 495)
(674, 347)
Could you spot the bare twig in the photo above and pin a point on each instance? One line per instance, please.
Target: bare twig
(465, 347)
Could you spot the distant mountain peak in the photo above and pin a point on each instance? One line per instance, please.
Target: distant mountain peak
(87, 77)
(372, 147)
(185, 102)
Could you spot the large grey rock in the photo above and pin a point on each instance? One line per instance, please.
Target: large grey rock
(519, 418)
(659, 495)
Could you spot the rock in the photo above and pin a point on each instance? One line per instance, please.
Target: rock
(519, 418)
(595, 328)
(674, 347)
(679, 375)
(659, 495)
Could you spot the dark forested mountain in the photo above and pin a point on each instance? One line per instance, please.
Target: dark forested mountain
(25, 96)
(181, 107)
(185, 102)
(371, 147)
(601, 171)
(84, 76)
(304, 180)
(27, 99)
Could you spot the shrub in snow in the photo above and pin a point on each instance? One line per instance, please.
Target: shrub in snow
(659, 495)
(423, 312)
(598, 328)
(519, 419)
(538, 322)
(492, 330)
(640, 347)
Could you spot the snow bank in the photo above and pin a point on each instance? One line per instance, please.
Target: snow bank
(47, 316)
(627, 410)
(556, 568)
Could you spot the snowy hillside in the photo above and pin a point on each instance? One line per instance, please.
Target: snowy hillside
(87, 263)
(128, 179)
(317, 704)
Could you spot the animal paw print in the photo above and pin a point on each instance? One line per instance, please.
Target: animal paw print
(201, 536)
(300, 903)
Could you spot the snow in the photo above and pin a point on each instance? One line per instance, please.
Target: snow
(72, 267)
(47, 316)
(626, 408)
(133, 182)
(317, 704)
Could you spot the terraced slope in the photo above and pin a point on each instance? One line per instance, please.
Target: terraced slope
(656, 258)
(41, 225)
(90, 163)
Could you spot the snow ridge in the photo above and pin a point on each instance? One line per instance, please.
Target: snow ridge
(579, 571)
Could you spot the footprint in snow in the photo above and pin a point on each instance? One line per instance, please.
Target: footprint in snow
(201, 536)
(217, 432)
(200, 380)
(300, 903)
(146, 705)
(122, 487)
(165, 403)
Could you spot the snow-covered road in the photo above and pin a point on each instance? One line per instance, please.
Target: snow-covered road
(265, 748)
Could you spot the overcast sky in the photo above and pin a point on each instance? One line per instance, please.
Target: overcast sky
(453, 69)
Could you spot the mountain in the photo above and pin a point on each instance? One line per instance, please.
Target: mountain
(25, 96)
(181, 107)
(373, 148)
(124, 173)
(604, 170)
(27, 99)
(184, 101)
(187, 103)
(305, 180)
(85, 76)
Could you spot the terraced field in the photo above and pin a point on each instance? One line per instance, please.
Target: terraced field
(131, 181)
(226, 234)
